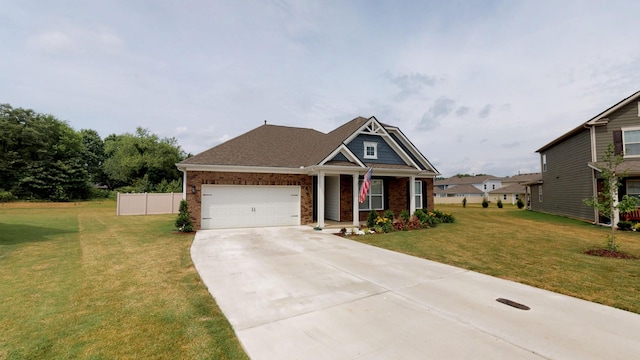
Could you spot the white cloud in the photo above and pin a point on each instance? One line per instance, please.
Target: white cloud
(51, 42)
(462, 80)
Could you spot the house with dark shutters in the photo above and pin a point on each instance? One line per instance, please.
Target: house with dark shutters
(571, 164)
(279, 175)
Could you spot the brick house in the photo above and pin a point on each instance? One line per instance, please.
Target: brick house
(279, 175)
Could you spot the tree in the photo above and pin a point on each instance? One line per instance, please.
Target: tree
(93, 155)
(40, 156)
(141, 161)
(183, 222)
(607, 202)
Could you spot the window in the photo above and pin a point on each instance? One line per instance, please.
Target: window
(633, 188)
(493, 187)
(370, 150)
(540, 193)
(375, 198)
(544, 162)
(418, 192)
(631, 141)
(485, 186)
(504, 197)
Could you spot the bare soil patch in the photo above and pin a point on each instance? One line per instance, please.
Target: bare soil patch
(609, 254)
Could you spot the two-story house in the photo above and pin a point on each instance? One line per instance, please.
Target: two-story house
(571, 164)
(474, 188)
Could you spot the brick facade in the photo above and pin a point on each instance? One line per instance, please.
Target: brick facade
(199, 178)
(396, 187)
(397, 196)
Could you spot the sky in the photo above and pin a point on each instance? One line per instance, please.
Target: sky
(478, 86)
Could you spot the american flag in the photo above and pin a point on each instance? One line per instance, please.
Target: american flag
(365, 185)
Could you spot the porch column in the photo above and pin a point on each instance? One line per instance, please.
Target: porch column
(412, 195)
(320, 199)
(356, 206)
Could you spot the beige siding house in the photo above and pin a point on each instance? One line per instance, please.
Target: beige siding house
(570, 164)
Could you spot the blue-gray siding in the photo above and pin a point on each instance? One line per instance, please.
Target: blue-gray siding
(411, 155)
(386, 155)
(339, 157)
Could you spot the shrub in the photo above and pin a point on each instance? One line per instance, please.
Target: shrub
(183, 222)
(413, 223)
(96, 193)
(624, 225)
(499, 204)
(426, 219)
(520, 203)
(485, 203)
(6, 196)
(443, 217)
(385, 223)
(398, 224)
(464, 202)
(389, 215)
(404, 215)
(636, 227)
(371, 219)
(420, 215)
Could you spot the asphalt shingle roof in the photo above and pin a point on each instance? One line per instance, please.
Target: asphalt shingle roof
(277, 146)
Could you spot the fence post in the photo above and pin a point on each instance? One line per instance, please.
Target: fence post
(146, 203)
(118, 204)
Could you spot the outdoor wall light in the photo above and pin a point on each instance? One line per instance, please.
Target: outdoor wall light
(193, 189)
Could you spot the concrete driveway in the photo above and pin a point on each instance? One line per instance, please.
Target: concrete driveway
(296, 293)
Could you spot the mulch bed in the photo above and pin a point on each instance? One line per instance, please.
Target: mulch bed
(609, 254)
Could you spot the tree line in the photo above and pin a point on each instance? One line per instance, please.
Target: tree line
(43, 158)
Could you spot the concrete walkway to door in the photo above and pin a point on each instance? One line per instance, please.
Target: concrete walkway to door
(296, 293)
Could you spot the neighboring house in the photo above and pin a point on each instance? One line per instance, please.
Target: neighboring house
(474, 188)
(279, 175)
(513, 188)
(571, 164)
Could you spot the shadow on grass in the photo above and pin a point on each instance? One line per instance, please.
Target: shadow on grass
(12, 234)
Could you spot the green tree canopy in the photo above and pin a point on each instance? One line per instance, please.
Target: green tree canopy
(40, 156)
(142, 160)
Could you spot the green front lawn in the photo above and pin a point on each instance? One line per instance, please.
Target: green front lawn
(541, 250)
(76, 281)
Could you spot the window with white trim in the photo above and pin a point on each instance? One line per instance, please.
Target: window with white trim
(540, 193)
(544, 162)
(504, 197)
(375, 197)
(631, 141)
(633, 188)
(417, 185)
(370, 150)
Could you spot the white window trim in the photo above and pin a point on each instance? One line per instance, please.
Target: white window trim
(373, 145)
(637, 195)
(544, 162)
(539, 193)
(418, 185)
(624, 144)
(369, 194)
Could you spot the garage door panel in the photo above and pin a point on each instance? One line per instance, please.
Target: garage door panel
(226, 206)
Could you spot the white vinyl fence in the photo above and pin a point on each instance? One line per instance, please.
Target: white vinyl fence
(148, 204)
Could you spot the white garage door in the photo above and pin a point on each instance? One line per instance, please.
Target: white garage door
(230, 206)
